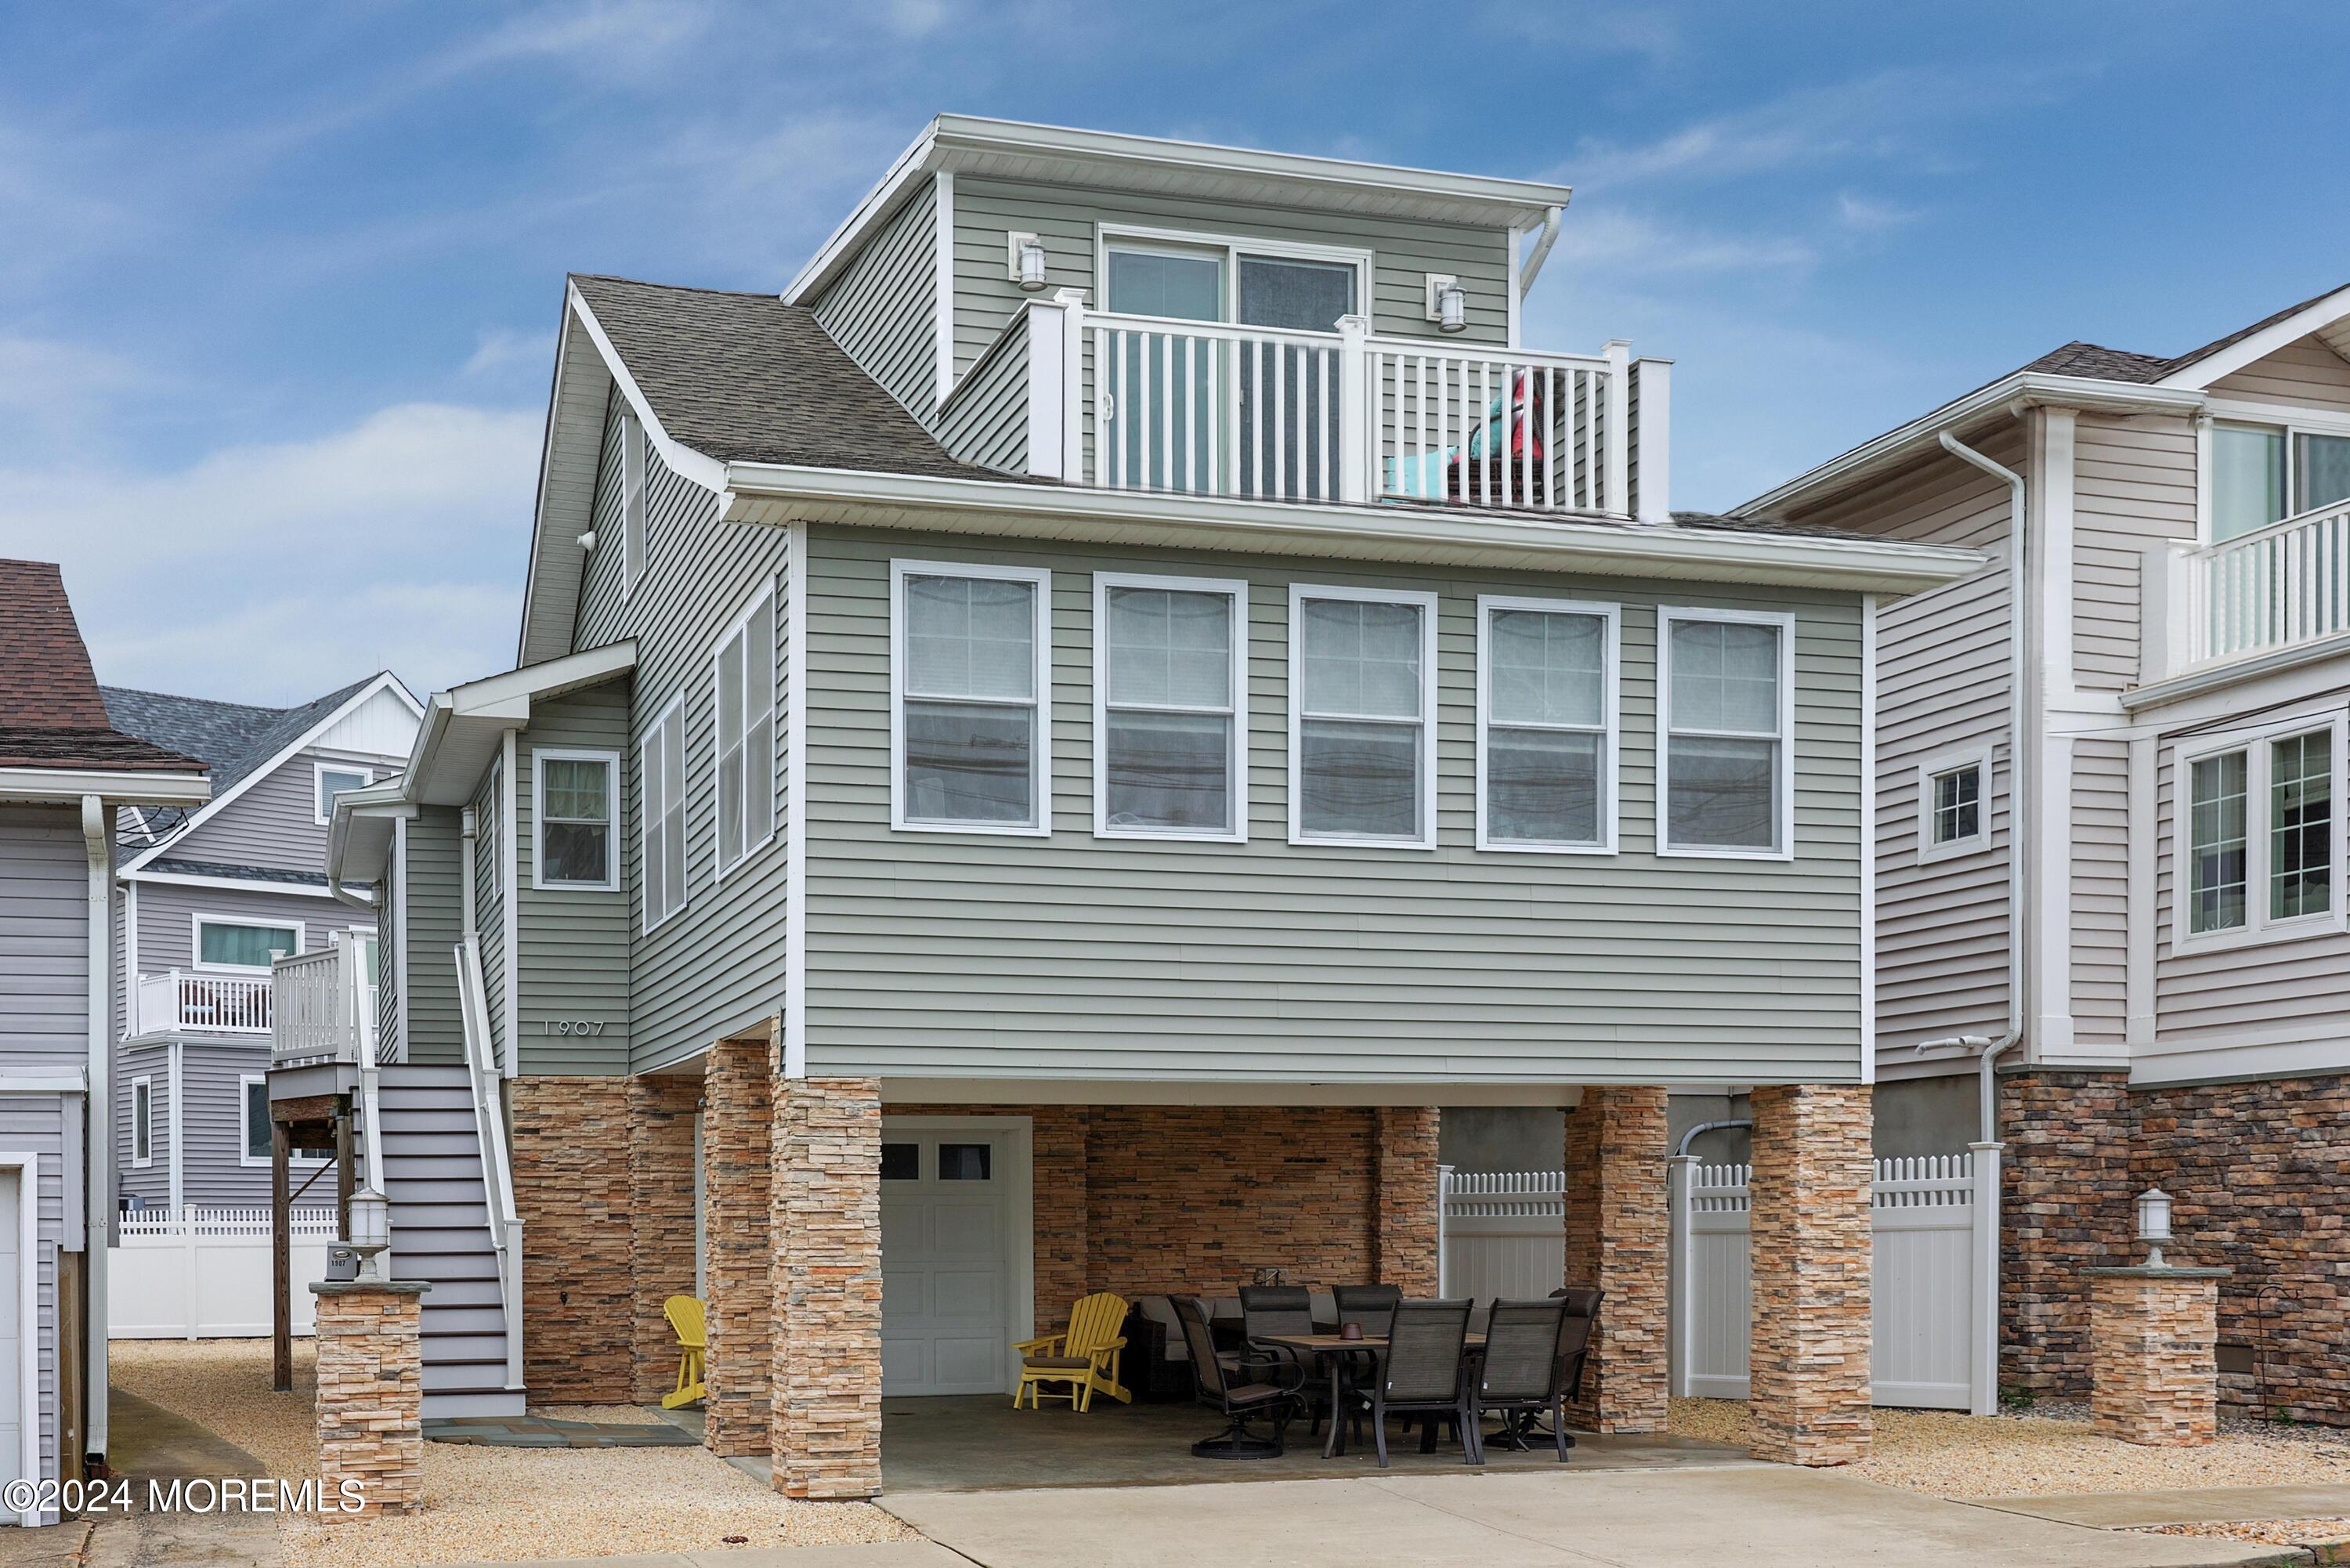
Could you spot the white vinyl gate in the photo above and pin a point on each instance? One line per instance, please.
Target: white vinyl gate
(1935, 1239)
(203, 1272)
(1500, 1233)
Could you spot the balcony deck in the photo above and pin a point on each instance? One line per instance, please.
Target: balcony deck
(2244, 600)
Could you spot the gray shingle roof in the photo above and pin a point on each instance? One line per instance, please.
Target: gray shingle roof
(745, 378)
(231, 738)
(2078, 358)
(238, 873)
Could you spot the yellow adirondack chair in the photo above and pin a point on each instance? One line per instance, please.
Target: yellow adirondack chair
(1084, 1355)
(684, 1313)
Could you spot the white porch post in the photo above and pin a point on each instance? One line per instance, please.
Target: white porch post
(1680, 1318)
(1055, 327)
(1356, 448)
(1655, 436)
(1982, 1360)
(1443, 1232)
(1618, 500)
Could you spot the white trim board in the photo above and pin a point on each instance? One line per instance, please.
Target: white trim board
(30, 1446)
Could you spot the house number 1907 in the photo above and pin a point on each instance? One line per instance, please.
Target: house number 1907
(572, 1026)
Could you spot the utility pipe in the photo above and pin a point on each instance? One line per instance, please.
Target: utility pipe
(1691, 1137)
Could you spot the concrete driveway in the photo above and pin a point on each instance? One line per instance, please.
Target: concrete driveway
(1762, 1516)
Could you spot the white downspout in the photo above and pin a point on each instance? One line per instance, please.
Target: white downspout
(98, 1147)
(1541, 252)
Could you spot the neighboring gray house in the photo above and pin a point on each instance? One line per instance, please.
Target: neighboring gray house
(1049, 751)
(64, 773)
(202, 899)
(2150, 932)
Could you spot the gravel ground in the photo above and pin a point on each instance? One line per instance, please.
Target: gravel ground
(483, 1503)
(1956, 1455)
(2276, 1532)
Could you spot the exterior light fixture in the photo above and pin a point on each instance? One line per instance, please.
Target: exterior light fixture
(1027, 262)
(1448, 303)
(371, 1229)
(2153, 1223)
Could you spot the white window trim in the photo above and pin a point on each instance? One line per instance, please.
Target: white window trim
(1236, 769)
(646, 918)
(633, 501)
(142, 1120)
(319, 810)
(1298, 594)
(244, 1155)
(1142, 237)
(2292, 422)
(2258, 929)
(540, 757)
(764, 595)
(1784, 787)
(1930, 770)
(1611, 687)
(202, 917)
(1041, 777)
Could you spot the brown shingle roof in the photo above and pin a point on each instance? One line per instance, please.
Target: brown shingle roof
(51, 715)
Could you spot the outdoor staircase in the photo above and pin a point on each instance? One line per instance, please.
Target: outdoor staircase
(434, 1175)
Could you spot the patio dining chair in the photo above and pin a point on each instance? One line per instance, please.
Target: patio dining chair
(1276, 1400)
(1082, 1357)
(1370, 1306)
(1268, 1309)
(1426, 1374)
(1524, 1375)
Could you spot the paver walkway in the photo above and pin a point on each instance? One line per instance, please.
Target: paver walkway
(2180, 1505)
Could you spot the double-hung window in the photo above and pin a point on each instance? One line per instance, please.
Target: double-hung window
(576, 808)
(2261, 828)
(1170, 729)
(1725, 765)
(969, 724)
(244, 944)
(660, 780)
(1954, 805)
(1362, 699)
(1545, 724)
(744, 678)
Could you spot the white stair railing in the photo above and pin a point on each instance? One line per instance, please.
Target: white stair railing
(497, 1161)
(2287, 584)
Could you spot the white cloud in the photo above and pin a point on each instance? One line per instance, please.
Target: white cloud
(497, 348)
(1633, 243)
(1867, 215)
(271, 572)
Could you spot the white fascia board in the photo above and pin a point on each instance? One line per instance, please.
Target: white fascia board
(776, 494)
(227, 884)
(2227, 361)
(358, 814)
(706, 471)
(2237, 672)
(67, 786)
(505, 700)
(386, 681)
(954, 143)
(2008, 395)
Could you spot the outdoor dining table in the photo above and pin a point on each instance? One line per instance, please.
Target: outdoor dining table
(1339, 1353)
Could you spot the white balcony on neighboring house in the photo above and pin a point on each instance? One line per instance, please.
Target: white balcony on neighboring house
(325, 1008)
(2275, 593)
(1135, 402)
(197, 1002)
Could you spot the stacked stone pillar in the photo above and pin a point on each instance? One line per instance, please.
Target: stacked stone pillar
(738, 1260)
(371, 1394)
(827, 1221)
(1810, 1230)
(2154, 1334)
(1617, 1221)
(1407, 1198)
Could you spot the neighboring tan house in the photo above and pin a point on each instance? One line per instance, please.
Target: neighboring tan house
(203, 899)
(1049, 750)
(65, 772)
(2166, 979)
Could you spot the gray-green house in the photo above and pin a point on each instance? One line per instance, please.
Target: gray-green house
(1051, 748)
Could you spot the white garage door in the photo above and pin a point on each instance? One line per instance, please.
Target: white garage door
(11, 1329)
(945, 1283)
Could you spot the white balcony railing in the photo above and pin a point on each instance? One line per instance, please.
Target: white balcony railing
(209, 1004)
(324, 1009)
(1133, 402)
(2286, 585)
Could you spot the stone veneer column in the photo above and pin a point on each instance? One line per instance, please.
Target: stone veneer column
(661, 1218)
(2065, 1188)
(371, 1394)
(571, 1151)
(1810, 1230)
(1406, 1197)
(1062, 1260)
(2153, 1336)
(826, 1215)
(739, 1303)
(1616, 1224)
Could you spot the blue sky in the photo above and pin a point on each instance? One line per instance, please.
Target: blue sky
(278, 282)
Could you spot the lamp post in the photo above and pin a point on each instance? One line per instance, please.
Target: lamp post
(2153, 1223)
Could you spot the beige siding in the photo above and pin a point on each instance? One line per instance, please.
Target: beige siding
(883, 308)
(2133, 485)
(1076, 956)
(2304, 372)
(2100, 891)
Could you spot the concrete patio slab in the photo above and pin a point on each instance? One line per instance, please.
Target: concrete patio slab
(2180, 1505)
(878, 1554)
(1757, 1516)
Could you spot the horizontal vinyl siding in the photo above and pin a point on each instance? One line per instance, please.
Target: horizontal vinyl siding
(715, 967)
(1942, 688)
(2304, 372)
(969, 955)
(45, 941)
(2133, 486)
(572, 944)
(435, 924)
(34, 1125)
(883, 310)
(2100, 891)
(1065, 218)
(213, 1125)
(167, 912)
(151, 1184)
(986, 421)
(489, 903)
(275, 822)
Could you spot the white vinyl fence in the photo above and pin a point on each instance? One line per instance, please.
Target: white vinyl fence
(203, 1273)
(1502, 1233)
(1936, 1236)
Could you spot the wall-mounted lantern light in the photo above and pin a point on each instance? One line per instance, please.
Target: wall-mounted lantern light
(370, 1229)
(2153, 1223)
(1448, 303)
(1026, 259)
